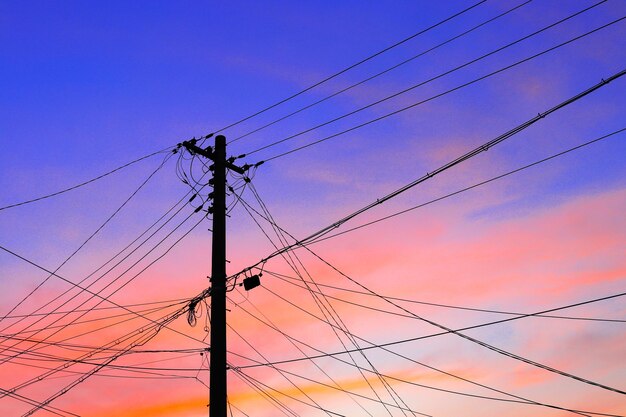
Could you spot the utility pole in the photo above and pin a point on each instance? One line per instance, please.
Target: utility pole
(218, 367)
(217, 372)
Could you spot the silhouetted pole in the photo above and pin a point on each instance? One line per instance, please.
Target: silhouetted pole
(217, 368)
(217, 393)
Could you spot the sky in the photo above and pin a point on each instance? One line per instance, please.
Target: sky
(338, 104)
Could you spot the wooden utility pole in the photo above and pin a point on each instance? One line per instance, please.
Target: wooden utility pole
(217, 393)
(218, 367)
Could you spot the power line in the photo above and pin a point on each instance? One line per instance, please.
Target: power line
(450, 164)
(429, 80)
(106, 298)
(127, 270)
(77, 347)
(413, 339)
(265, 395)
(580, 146)
(113, 258)
(78, 322)
(280, 373)
(63, 391)
(118, 277)
(477, 341)
(292, 342)
(326, 308)
(523, 400)
(472, 153)
(51, 313)
(462, 190)
(91, 236)
(463, 335)
(85, 182)
(64, 367)
(351, 67)
(329, 412)
(360, 349)
(292, 281)
(518, 400)
(378, 74)
(431, 98)
(53, 410)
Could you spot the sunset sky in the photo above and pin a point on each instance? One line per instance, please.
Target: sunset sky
(351, 324)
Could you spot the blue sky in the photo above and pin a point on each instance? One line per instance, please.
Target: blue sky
(86, 87)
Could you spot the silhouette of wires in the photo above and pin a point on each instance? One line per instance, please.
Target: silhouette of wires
(358, 349)
(468, 155)
(168, 149)
(370, 57)
(455, 331)
(378, 74)
(415, 104)
(90, 237)
(294, 281)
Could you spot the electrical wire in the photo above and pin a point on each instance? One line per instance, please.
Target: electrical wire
(76, 322)
(142, 332)
(265, 395)
(462, 190)
(477, 341)
(293, 281)
(449, 391)
(81, 379)
(52, 313)
(472, 153)
(431, 98)
(53, 410)
(280, 373)
(351, 66)
(111, 260)
(326, 307)
(378, 74)
(91, 236)
(430, 367)
(168, 149)
(295, 345)
(463, 335)
(518, 398)
(256, 381)
(102, 299)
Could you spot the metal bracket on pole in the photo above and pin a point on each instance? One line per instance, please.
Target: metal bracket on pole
(191, 146)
